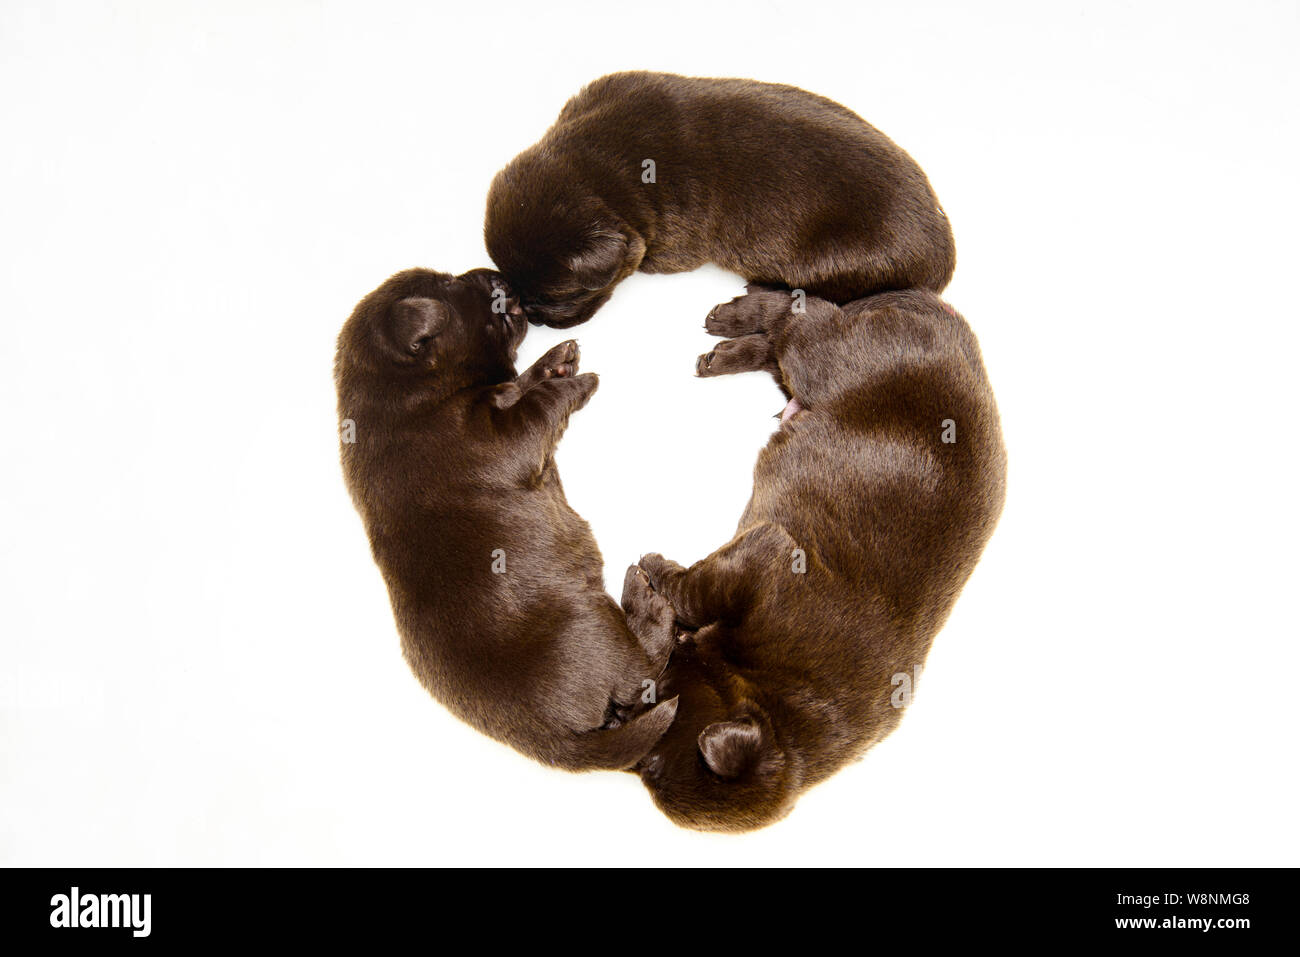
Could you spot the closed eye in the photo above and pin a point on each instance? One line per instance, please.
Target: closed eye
(615, 716)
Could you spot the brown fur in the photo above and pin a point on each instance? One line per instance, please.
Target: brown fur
(453, 460)
(785, 677)
(774, 183)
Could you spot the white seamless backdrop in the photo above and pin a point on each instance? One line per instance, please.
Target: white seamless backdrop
(197, 660)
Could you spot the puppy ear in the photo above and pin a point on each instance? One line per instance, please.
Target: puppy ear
(729, 747)
(599, 260)
(416, 319)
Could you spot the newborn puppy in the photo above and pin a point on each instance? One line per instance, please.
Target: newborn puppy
(495, 581)
(664, 173)
(871, 505)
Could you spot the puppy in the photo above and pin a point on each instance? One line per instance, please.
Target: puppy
(871, 505)
(495, 581)
(664, 173)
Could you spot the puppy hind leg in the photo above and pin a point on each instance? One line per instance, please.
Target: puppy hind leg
(760, 311)
(819, 356)
(749, 353)
(765, 285)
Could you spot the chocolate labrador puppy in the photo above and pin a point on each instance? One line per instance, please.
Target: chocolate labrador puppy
(495, 581)
(664, 173)
(871, 505)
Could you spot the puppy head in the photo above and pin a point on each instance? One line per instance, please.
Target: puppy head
(570, 288)
(720, 766)
(563, 255)
(423, 327)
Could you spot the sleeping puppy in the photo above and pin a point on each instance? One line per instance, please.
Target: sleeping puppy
(495, 581)
(664, 173)
(871, 505)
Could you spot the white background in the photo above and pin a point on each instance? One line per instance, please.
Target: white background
(199, 664)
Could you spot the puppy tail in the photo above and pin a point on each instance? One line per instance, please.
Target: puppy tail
(620, 748)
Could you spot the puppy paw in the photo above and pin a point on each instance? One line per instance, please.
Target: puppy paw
(560, 361)
(658, 569)
(649, 615)
(745, 354)
(641, 602)
(731, 319)
(759, 311)
(579, 388)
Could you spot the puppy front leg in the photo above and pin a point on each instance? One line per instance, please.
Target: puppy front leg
(550, 407)
(542, 411)
(650, 618)
(722, 586)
